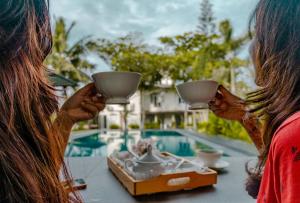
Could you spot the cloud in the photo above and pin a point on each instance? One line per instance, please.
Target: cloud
(155, 18)
(169, 30)
(237, 11)
(169, 6)
(112, 18)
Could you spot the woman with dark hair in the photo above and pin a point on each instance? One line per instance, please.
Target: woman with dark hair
(276, 104)
(31, 143)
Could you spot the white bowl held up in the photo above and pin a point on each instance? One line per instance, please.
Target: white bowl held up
(117, 87)
(198, 93)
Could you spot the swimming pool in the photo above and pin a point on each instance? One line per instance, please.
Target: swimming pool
(103, 144)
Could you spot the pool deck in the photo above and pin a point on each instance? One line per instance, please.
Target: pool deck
(103, 187)
(236, 147)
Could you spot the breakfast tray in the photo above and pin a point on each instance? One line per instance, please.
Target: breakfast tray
(167, 182)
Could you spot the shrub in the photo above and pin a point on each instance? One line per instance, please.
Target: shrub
(82, 125)
(189, 125)
(181, 125)
(219, 126)
(152, 125)
(114, 126)
(134, 126)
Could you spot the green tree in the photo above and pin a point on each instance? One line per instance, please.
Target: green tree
(231, 129)
(194, 55)
(199, 56)
(232, 47)
(206, 21)
(129, 53)
(69, 60)
(189, 56)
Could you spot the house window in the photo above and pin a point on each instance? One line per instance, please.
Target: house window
(155, 100)
(180, 100)
(132, 107)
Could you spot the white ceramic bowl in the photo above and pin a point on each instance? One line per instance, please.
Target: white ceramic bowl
(209, 157)
(117, 87)
(198, 93)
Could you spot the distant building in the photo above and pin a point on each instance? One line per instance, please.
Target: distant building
(162, 108)
(165, 107)
(60, 81)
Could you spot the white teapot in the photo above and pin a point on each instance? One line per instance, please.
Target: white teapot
(149, 164)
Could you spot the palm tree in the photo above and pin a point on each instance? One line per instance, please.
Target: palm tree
(232, 47)
(129, 53)
(69, 60)
(206, 20)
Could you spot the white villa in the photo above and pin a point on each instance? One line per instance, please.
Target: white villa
(161, 108)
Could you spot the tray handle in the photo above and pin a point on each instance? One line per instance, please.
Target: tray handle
(187, 180)
(178, 181)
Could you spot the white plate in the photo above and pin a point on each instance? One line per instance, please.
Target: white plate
(219, 165)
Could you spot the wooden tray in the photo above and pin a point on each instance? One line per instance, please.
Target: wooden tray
(163, 183)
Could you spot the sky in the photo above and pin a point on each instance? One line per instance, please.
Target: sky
(153, 18)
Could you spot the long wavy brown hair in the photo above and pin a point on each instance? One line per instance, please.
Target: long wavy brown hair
(276, 56)
(30, 148)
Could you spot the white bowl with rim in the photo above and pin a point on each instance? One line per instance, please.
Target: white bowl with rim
(209, 157)
(197, 94)
(117, 87)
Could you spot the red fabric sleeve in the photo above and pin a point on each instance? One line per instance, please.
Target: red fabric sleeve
(286, 156)
(281, 177)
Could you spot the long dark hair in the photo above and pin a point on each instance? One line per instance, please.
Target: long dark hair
(276, 56)
(30, 149)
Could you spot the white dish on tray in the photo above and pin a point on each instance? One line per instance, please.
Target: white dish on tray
(219, 165)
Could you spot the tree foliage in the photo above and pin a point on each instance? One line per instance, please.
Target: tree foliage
(200, 56)
(206, 21)
(231, 129)
(211, 52)
(69, 60)
(129, 54)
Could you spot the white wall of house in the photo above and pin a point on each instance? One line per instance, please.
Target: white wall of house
(114, 114)
(156, 103)
(163, 101)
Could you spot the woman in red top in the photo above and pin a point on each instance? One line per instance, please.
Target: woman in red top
(276, 55)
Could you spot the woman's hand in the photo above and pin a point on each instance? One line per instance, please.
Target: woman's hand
(228, 106)
(85, 104)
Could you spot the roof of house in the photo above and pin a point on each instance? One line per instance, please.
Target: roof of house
(59, 80)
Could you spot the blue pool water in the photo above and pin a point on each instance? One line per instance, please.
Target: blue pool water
(104, 144)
